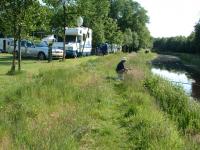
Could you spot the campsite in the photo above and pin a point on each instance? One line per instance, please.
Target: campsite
(90, 74)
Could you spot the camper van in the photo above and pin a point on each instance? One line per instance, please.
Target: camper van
(78, 42)
(5, 44)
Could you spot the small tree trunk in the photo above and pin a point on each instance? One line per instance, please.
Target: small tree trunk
(14, 57)
(64, 39)
(50, 52)
(19, 50)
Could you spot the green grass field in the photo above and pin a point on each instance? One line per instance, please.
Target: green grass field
(78, 104)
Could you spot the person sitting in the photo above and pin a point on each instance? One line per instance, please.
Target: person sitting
(121, 68)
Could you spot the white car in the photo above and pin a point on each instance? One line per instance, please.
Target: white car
(40, 51)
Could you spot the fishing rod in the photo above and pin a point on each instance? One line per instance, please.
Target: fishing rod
(129, 69)
(185, 83)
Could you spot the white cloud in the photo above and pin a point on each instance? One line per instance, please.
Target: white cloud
(171, 17)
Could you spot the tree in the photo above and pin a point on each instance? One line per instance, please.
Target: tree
(128, 39)
(145, 40)
(112, 33)
(59, 20)
(95, 14)
(197, 37)
(19, 18)
(132, 16)
(109, 19)
(135, 43)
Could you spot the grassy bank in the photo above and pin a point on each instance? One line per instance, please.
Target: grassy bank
(190, 60)
(78, 104)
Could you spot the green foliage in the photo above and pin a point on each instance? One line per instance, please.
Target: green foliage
(95, 15)
(108, 19)
(197, 37)
(173, 101)
(175, 44)
(128, 37)
(112, 33)
(19, 18)
(190, 59)
(182, 44)
(145, 39)
(131, 17)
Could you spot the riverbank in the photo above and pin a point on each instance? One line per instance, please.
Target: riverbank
(79, 104)
(189, 60)
(174, 70)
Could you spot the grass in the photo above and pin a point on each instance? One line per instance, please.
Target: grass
(179, 107)
(191, 59)
(78, 104)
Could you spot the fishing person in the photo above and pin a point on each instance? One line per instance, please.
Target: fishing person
(121, 68)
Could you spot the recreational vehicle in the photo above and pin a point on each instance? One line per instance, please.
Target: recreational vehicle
(5, 44)
(78, 41)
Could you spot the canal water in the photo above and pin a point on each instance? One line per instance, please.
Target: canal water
(174, 71)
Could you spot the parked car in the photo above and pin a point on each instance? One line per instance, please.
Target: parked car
(40, 51)
(105, 48)
(69, 49)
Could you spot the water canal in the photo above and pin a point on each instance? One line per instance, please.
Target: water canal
(172, 69)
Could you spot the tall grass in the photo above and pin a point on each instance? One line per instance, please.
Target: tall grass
(82, 106)
(174, 101)
(180, 108)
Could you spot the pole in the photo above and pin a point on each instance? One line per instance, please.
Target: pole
(64, 24)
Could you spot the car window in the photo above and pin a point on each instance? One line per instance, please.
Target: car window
(23, 43)
(29, 44)
(12, 43)
(41, 45)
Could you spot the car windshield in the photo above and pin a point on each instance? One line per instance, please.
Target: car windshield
(29, 44)
(70, 38)
(42, 45)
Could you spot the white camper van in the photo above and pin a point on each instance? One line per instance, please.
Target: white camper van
(78, 41)
(5, 44)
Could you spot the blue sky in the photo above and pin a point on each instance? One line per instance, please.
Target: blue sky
(171, 17)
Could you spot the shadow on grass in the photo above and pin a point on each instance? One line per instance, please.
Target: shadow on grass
(111, 78)
(7, 63)
(5, 60)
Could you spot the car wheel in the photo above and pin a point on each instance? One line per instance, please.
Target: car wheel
(41, 56)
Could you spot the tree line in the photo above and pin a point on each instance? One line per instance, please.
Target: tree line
(190, 44)
(120, 22)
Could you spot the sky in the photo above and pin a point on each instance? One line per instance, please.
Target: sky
(171, 17)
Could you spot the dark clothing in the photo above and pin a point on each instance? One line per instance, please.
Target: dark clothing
(120, 66)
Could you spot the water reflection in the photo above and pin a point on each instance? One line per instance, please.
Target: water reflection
(179, 78)
(182, 78)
